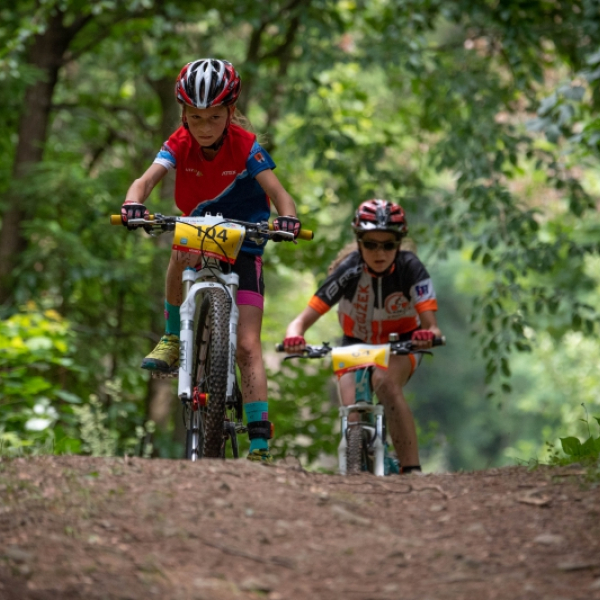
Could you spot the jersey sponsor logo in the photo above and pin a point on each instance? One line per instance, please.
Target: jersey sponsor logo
(361, 307)
(422, 290)
(332, 290)
(229, 173)
(362, 303)
(259, 157)
(396, 304)
(196, 171)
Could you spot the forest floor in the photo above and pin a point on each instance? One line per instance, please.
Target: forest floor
(122, 528)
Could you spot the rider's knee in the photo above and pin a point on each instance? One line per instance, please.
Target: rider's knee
(247, 349)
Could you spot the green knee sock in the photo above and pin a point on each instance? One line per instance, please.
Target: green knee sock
(172, 317)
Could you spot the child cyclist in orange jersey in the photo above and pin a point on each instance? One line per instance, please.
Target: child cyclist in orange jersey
(219, 168)
(381, 289)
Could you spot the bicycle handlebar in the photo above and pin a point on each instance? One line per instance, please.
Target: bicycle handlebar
(398, 348)
(165, 223)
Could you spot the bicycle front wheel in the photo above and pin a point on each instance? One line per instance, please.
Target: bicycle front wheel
(212, 362)
(354, 450)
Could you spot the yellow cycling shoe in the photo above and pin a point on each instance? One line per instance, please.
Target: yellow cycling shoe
(261, 456)
(165, 357)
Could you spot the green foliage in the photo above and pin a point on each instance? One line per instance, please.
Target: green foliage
(35, 354)
(305, 413)
(422, 101)
(103, 429)
(37, 413)
(97, 438)
(575, 451)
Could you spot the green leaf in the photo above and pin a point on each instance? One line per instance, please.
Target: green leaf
(68, 397)
(547, 104)
(553, 133)
(588, 448)
(593, 58)
(571, 446)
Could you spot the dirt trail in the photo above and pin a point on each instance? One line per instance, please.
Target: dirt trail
(79, 527)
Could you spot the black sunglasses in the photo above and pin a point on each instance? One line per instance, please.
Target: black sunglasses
(387, 246)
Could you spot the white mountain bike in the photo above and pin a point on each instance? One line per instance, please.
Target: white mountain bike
(363, 434)
(208, 387)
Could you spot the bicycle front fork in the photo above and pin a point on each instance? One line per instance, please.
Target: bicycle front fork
(378, 446)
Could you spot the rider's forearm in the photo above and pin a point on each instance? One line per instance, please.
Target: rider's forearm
(306, 319)
(284, 204)
(429, 322)
(138, 192)
(141, 188)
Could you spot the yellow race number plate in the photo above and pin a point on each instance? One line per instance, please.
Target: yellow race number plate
(359, 356)
(217, 240)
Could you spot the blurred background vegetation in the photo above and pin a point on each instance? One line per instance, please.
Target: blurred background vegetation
(480, 118)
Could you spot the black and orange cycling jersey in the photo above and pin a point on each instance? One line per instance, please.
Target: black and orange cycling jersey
(371, 307)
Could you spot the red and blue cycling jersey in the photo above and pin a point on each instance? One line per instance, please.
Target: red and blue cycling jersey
(226, 184)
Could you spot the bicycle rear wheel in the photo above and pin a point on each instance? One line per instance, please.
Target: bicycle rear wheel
(233, 423)
(211, 369)
(194, 425)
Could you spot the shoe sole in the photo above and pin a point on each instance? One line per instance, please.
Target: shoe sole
(158, 365)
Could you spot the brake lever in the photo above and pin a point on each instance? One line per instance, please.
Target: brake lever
(288, 356)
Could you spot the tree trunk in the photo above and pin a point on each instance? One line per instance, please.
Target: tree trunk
(47, 54)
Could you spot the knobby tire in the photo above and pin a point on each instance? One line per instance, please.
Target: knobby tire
(354, 450)
(212, 366)
(236, 412)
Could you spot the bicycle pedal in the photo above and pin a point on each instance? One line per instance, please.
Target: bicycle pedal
(172, 374)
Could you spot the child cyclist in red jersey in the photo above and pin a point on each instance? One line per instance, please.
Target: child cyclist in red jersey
(219, 168)
(381, 289)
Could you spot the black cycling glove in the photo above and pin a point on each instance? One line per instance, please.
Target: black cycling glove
(287, 223)
(133, 210)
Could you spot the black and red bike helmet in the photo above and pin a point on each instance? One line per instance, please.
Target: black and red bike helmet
(380, 215)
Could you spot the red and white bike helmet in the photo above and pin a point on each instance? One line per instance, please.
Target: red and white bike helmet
(380, 215)
(208, 82)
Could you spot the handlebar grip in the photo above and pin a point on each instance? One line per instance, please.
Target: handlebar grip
(304, 234)
(116, 219)
(439, 341)
(279, 348)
